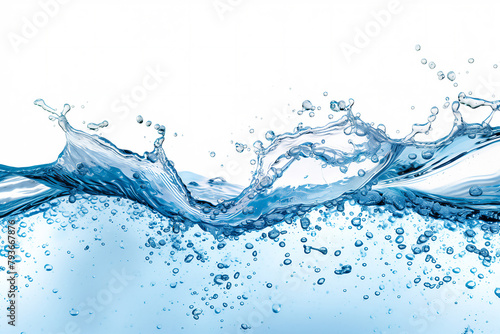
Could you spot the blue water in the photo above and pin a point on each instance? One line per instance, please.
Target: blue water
(329, 191)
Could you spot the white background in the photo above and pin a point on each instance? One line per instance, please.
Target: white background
(232, 65)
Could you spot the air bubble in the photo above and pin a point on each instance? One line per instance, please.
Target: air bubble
(276, 308)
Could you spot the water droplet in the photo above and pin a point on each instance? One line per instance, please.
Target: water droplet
(423, 61)
(95, 127)
(470, 284)
(270, 135)
(239, 147)
(471, 60)
(451, 76)
(212, 154)
(74, 312)
(417, 47)
(432, 65)
(307, 105)
(48, 267)
(139, 119)
(475, 191)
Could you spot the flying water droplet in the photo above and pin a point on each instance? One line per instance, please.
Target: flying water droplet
(307, 105)
(270, 135)
(239, 147)
(97, 126)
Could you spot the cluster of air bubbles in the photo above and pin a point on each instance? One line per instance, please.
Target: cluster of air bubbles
(308, 107)
(338, 106)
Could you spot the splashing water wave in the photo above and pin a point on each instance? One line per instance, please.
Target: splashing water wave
(451, 178)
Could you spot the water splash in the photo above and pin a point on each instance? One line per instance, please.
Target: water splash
(344, 160)
(346, 168)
